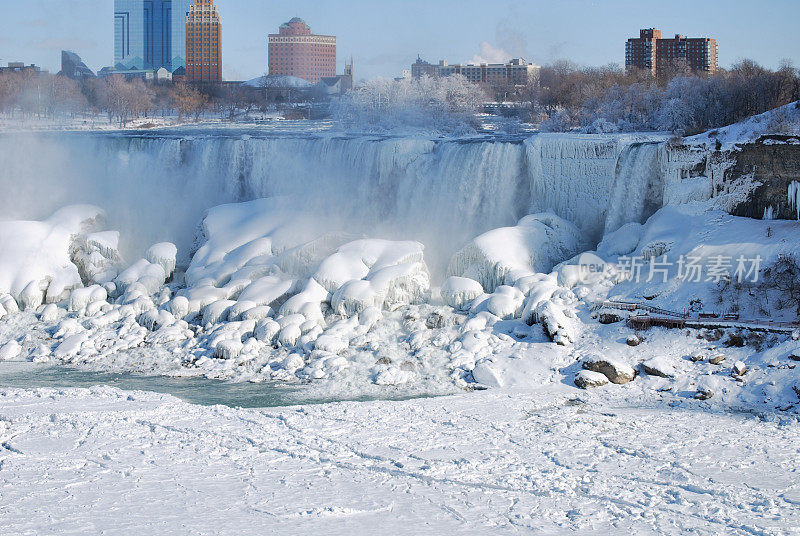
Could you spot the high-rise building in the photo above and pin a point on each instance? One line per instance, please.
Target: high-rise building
(150, 34)
(73, 67)
(652, 53)
(203, 42)
(295, 51)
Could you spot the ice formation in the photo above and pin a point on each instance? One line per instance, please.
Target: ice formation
(440, 192)
(325, 258)
(794, 197)
(502, 256)
(42, 261)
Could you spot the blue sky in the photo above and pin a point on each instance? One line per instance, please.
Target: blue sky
(385, 36)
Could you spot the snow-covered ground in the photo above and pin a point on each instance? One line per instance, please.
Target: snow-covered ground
(551, 461)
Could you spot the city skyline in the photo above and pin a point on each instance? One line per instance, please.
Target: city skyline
(385, 39)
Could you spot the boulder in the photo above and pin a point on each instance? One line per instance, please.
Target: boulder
(616, 371)
(716, 359)
(587, 378)
(739, 368)
(633, 340)
(697, 356)
(658, 366)
(703, 393)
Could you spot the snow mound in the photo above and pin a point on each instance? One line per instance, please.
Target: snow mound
(458, 292)
(41, 261)
(501, 256)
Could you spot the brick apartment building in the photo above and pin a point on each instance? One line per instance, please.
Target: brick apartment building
(650, 52)
(203, 42)
(295, 51)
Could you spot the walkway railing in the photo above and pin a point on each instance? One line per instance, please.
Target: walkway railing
(703, 320)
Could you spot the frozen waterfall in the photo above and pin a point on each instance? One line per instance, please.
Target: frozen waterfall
(156, 187)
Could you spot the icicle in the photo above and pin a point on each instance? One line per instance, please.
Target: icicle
(794, 197)
(769, 213)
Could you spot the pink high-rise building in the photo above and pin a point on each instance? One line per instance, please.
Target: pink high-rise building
(295, 51)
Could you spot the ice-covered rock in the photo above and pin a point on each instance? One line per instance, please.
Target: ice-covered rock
(739, 368)
(486, 373)
(150, 276)
(81, 297)
(38, 255)
(163, 254)
(505, 302)
(217, 311)
(10, 350)
(616, 371)
(179, 306)
(9, 304)
(659, 366)
(155, 319)
(266, 290)
(459, 292)
(228, 349)
(394, 274)
(534, 245)
(588, 378)
(49, 313)
(266, 330)
(289, 335)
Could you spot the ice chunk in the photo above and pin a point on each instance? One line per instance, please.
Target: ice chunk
(163, 254)
(10, 350)
(37, 255)
(534, 245)
(217, 311)
(81, 297)
(266, 330)
(49, 313)
(459, 292)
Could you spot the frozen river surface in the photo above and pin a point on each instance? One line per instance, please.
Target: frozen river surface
(104, 461)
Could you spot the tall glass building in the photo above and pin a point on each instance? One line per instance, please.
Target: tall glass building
(150, 34)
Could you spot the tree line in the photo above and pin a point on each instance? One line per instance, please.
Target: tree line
(610, 99)
(39, 95)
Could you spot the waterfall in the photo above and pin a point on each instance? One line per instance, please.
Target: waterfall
(597, 182)
(441, 192)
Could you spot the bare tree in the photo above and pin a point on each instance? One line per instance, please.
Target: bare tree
(783, 277)
(188, 100)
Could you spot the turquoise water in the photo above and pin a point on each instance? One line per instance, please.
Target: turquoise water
(202, 391)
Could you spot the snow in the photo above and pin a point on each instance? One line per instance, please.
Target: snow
(783, 121)
(535, 462)
(35, 256)
(502, 256)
